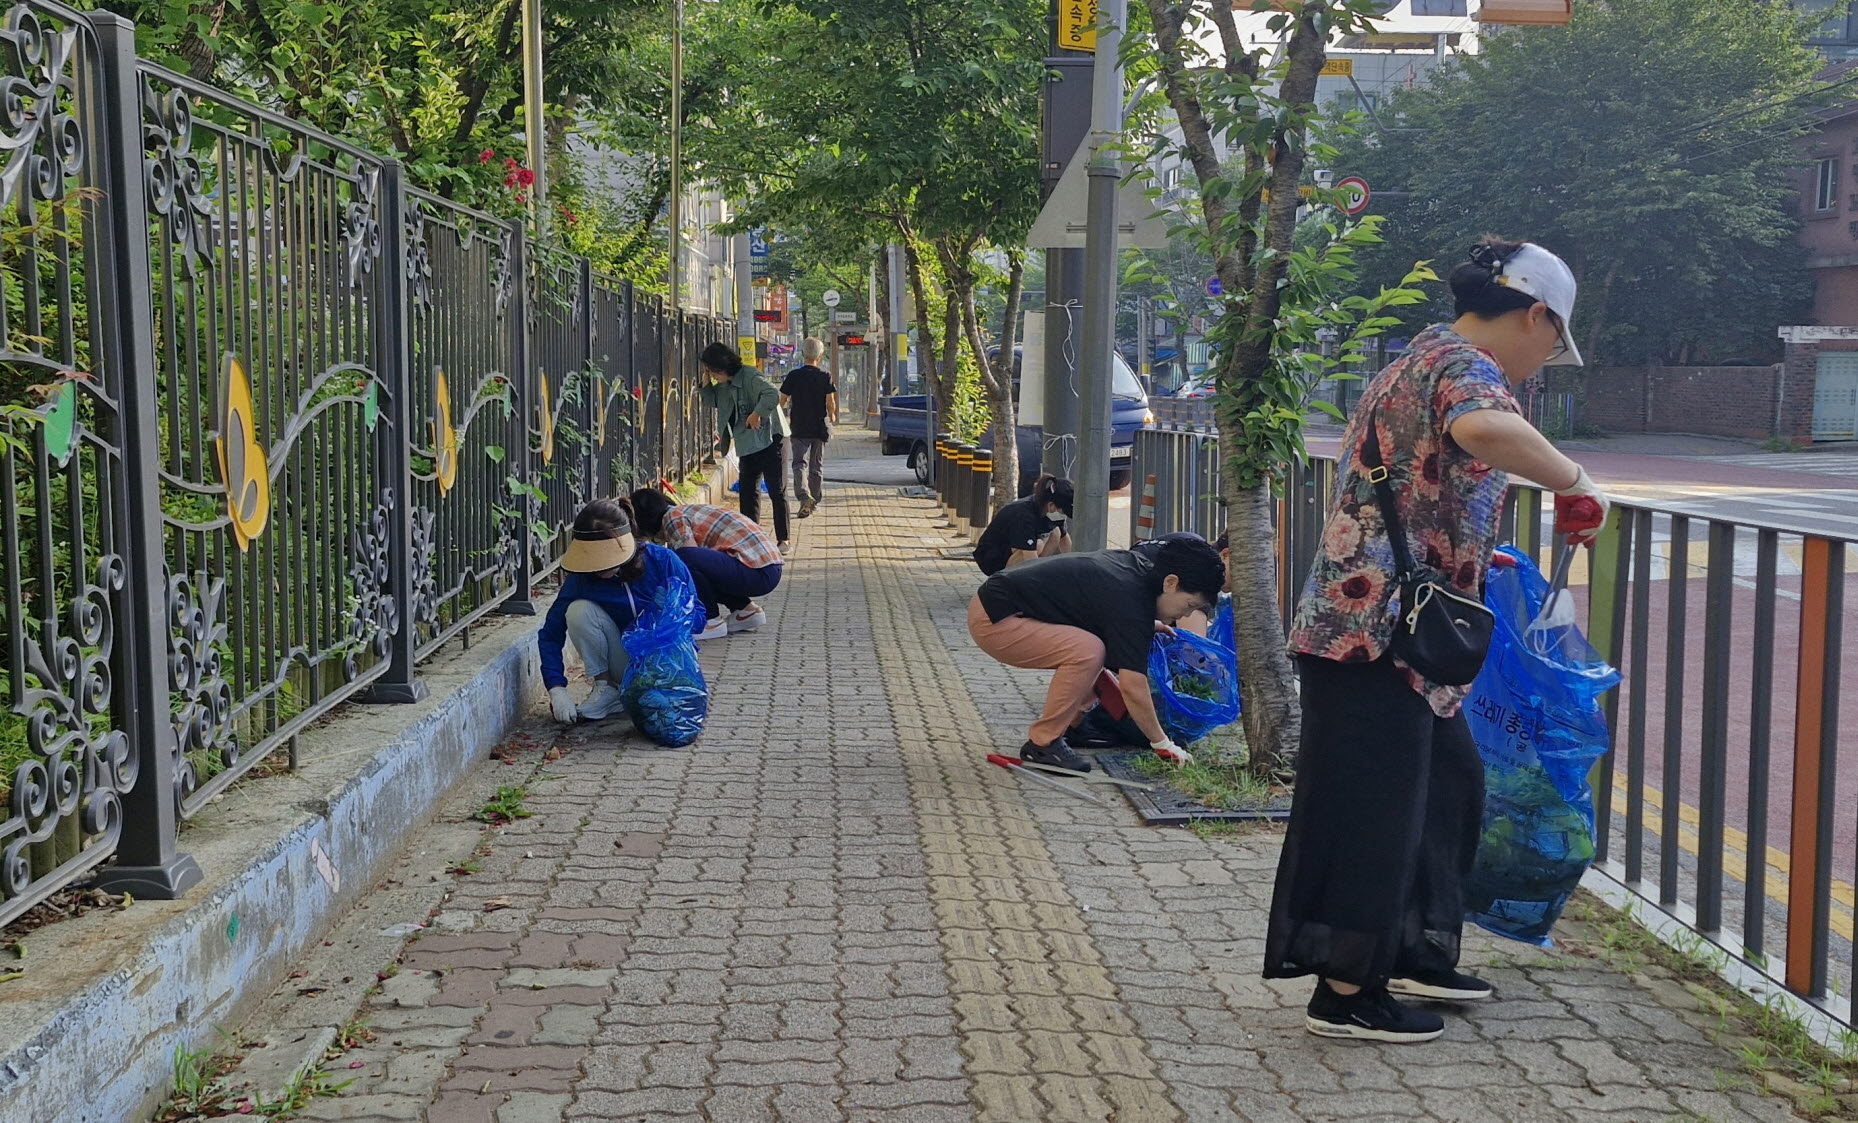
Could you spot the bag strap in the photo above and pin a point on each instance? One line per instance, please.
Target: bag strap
(1383, 490)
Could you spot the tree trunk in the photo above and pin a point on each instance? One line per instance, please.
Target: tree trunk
(884, 351)
(931, 358)
(1271, 716)
(996, 374)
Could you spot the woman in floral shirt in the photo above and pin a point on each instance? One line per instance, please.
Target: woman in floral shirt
(1389, 796)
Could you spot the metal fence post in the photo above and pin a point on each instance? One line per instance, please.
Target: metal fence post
(148, 862)
(393, 349)
(592, 391)
(522, 458)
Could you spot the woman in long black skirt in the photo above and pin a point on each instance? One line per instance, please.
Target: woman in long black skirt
(1389, 796)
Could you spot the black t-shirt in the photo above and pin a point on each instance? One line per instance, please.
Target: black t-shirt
(808, 386)
(1019, 525)
(1107, 594)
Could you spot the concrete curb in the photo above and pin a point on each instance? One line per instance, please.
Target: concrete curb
(285, 857)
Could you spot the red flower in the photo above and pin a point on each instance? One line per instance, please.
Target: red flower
(638, 393)
(510, 162)
(525, 177)
(486, 156)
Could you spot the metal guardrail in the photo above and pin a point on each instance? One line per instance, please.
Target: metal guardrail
(1721, 799)
(280, 425)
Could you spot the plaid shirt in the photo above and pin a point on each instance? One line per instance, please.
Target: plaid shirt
(717, 528)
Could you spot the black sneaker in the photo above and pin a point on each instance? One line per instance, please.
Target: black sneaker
(1369, 1015)
(1058, 754)
(1443, 986)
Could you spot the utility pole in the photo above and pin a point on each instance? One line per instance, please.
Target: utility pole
(1144, 346)
(1065, 125)
(677, 149)
(744, 297)
(899, 331)
(534, 127)
(1091, 524)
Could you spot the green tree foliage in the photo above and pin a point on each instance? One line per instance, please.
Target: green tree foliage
(439, 83)
(870, 121)
(1651, 144)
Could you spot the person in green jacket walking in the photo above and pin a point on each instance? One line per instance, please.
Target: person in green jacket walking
(748, 420)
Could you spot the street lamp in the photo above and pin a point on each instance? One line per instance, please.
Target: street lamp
(532, 106)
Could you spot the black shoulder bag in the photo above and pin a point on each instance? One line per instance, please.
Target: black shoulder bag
(1441, 633)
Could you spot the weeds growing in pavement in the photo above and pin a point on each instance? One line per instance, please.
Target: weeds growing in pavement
(1218, 777)
(1209, 829)
(1774, 1046)
(506, 806)
(304, 1085)
(199, 1085)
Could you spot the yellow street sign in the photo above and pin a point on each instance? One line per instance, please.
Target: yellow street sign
(1307, 191)
(1077, 25)
(745, 347)
(1339, 68)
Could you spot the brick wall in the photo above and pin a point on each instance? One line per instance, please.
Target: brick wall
(1714, 401)
(1614, 397)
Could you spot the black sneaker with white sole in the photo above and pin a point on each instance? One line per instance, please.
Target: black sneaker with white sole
(1369, 1015)
(1441, 986)
(1057, 753)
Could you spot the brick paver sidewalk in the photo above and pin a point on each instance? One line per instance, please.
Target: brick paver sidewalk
(831, 908)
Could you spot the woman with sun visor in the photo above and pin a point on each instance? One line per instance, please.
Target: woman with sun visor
(613, 584)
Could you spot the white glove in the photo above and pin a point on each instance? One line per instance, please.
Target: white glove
(562, 706)
(1581, 509)
(1171, 752)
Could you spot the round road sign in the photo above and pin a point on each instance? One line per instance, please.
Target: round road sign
(831, 298)
(1213, 287)
(1355, 194)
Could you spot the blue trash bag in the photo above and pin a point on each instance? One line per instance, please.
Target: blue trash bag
(1535, 713)
(663, 688)
(1221, 631)
(1196, 685)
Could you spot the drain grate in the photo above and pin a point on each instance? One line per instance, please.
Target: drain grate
(1165, 807)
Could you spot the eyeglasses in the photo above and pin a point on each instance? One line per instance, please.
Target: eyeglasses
(1561, 339)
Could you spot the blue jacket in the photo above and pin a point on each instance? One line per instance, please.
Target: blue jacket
(663, 593)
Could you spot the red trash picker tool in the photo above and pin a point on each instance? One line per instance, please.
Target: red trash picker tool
(1014, 765)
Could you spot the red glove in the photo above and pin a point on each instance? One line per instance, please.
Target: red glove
(1580, 510)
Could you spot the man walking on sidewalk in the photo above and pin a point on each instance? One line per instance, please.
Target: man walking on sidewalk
(812, 404)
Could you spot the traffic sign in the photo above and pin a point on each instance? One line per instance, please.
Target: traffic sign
(1213, 286)
(1355, 194)
(1338, 68)
(1077, 25)
(831, 298)
(847, 317)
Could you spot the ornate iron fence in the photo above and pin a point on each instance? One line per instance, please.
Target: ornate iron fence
(277, 426)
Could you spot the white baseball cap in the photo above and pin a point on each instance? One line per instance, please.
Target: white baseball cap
(1539, 273)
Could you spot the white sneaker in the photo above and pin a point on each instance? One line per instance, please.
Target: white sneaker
(749, 619)
(786, 548)
(715, 629)
(602, 703)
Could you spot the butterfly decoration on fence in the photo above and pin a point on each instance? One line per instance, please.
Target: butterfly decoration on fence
(58, 422)
(444, 434)
(242, 461)
(545, 414)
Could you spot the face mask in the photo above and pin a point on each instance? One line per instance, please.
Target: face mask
(1055, 516)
